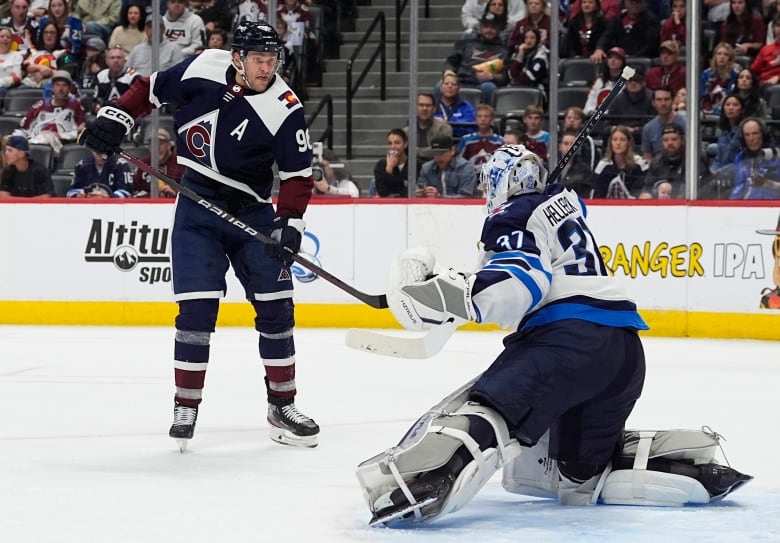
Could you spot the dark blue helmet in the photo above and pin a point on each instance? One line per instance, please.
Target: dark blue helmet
(256, 36)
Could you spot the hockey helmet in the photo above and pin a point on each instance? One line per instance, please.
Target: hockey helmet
(511, 170)
(257, 36)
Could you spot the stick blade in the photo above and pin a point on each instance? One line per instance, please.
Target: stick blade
(409, 345)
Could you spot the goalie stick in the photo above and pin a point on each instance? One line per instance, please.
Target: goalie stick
(431, 342)
(378, 301)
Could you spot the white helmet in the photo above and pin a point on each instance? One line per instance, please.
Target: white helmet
(511, 170)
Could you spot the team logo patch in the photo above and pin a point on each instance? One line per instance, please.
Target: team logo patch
(284, 275)
(289, 99)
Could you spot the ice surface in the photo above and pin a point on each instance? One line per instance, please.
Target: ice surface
(85, 457)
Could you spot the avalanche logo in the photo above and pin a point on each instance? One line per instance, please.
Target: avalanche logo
(302, 274)
(198, 136)
(289, 99)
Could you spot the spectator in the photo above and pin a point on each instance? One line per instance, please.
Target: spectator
(480, 62)
(94, 63)
(113, 81)
(743, 29)
(130, 30)
(673, 28)
(98, 176)
(669, 72)
(577, 175)
(69, 23)
(668, 166)
(99, 16)
(573, 121)
(289, 68)
(717, 11)
(719, 79)
(41, 60)
(748, 88)
(10, 63)
(530, 64)
(499, 9)
(477, 146)
(447, 175)
(55, 120)
(473, 10)
(536, 17)
(168, 165)
(652, 132)
(538, 139)
(634, 106)
(621, 173)
(428, 126)
(612, 69)
(332, 178)
(769, 13)
(584, 30)
(452, 107)
(251, 10)
(765, 66)
(22, 176)
(609, 8)
(298, 20)
(140, 58)
(391, 175)
(756, 168)
(22, 25)
(515, 136)
(214, 13)
(728, 140)
(217, 39)
(182, 27)
(680, 99)
(636, 30)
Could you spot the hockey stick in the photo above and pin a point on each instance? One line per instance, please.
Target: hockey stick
(430, 343)
(378, 301)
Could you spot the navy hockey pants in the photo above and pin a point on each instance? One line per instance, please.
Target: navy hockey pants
(578, 379)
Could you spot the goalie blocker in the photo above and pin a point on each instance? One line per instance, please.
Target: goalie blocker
(439, 466)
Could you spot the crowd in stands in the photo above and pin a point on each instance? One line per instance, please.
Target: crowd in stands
(638, 151)
(67, 59)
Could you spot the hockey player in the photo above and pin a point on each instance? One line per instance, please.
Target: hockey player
(564, 385)
(235, 118)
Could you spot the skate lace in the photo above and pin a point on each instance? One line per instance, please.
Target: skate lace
(292, 413)
(183, 415)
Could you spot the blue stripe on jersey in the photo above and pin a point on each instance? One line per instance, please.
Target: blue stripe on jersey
(621, 314)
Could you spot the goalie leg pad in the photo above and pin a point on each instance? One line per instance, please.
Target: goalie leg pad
(428, 447)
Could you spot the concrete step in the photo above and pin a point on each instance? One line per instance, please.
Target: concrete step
(431, 24)
(424, 51)
(339, 65)
(366, 92)
(440, 35)
(444, 10)
(364, 121)
(363, 106)
(338, 80)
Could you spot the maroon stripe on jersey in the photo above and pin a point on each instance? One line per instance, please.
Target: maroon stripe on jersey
(136, 99)
(294, 195)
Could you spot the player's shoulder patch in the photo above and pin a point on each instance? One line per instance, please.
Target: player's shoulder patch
(274, 105)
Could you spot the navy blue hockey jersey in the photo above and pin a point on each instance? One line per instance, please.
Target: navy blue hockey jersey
(540, 264)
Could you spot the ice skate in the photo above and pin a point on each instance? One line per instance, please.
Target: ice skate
(289, 426)
(428, 489)
(183, 427)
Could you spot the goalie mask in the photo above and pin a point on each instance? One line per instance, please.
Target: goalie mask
(511, 170)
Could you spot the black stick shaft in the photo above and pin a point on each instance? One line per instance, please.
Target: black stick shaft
(591, 124)
(378, 301)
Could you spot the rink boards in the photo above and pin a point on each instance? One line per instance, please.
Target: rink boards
(694, 270)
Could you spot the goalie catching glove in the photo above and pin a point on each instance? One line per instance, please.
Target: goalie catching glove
(106, 133)
(421, 295)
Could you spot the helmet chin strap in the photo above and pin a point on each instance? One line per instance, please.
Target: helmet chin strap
(242, 73)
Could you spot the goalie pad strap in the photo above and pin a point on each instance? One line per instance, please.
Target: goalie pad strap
(643, 449)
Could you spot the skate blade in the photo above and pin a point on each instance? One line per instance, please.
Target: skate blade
(285, 437)
(398, 514)
(182, 444)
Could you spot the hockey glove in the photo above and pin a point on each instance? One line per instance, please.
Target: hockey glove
(106, 132)
(420, 300)
(288, 233)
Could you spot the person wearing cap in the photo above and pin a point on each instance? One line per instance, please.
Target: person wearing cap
(101, 176)
(611, 71)
(168, 165)
(22, 176)
(636, 30)
(480, 62)
(472, 12)
(130, 30)
(668, 165)
(55, 120)
(69, 23)
(669, 72)
(634, 106)
(94, 62)
(140, 58)
(663, 102)
(447, 175)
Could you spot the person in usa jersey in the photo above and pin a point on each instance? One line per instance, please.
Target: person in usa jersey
(235, 118)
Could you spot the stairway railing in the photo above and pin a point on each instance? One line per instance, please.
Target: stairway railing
(379, 51)
(326, 102)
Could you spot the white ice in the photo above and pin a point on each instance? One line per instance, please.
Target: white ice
(85, 457)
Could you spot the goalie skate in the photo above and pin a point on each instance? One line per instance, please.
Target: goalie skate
(291, 427)
(387, 515)
(183, 427)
